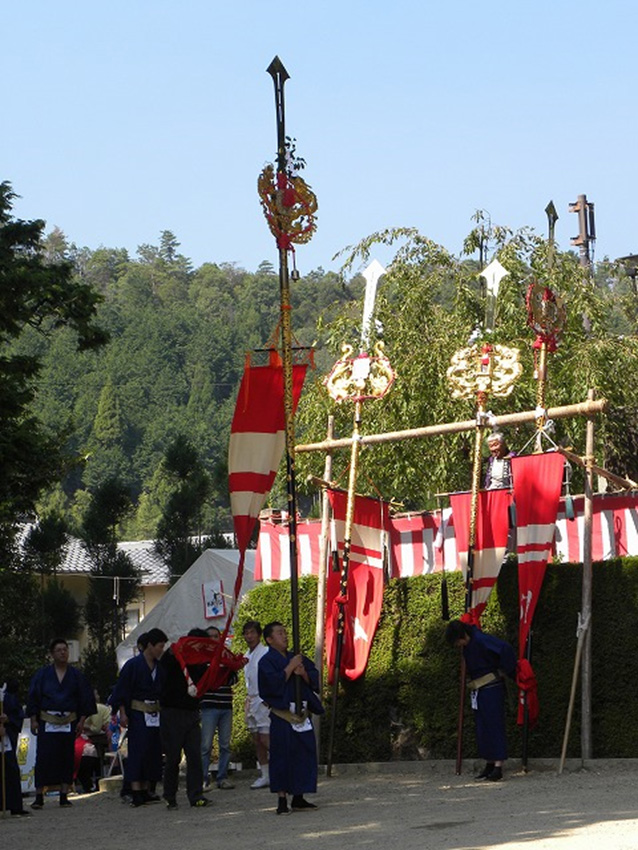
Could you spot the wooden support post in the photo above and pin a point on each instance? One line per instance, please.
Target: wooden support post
(321, 585)
(586, 739)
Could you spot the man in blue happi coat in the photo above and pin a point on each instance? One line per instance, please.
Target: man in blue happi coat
(488, 660)
(137, 697)
(293, 752)
(60, 699)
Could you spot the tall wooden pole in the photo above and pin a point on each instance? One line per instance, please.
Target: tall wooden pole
(343, 584)
(279, 76)
(469, 576)
(323, 568)
(586, 739)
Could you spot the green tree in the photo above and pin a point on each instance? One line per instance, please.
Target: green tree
(423, 327)
(44, 297)
(178, 537)
(114, 581)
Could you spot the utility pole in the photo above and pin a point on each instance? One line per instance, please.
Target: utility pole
(586, 229)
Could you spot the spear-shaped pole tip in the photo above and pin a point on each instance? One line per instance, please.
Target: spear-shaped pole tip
(276, 69)
(550, 212)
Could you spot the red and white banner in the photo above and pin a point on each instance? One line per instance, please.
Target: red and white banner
(492, 527)
(273, 551)
(364, 595)
(257, 442)
(537, 483)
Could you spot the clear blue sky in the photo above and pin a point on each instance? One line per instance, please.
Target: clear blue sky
(126, 118)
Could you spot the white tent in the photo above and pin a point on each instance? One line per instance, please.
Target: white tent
(193, 600)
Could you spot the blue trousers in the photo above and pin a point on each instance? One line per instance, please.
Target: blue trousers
(220, 719)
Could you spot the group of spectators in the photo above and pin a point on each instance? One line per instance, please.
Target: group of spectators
(156, 701)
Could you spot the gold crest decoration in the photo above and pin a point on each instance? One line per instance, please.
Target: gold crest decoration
(289, 205)
(361, 377)
(484, 369)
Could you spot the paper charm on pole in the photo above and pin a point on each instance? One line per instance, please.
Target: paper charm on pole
(493, 274)
(355, 379)
(289, 206)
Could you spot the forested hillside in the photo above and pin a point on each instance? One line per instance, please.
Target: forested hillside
(118, 378)
(178, 341)
(179, 337)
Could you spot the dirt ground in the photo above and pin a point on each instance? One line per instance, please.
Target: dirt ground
(411, 805)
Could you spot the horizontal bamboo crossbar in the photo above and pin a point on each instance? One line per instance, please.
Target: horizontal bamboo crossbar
(584, 408)
(616, 480)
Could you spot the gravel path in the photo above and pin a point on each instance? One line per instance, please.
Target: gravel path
(417, 805)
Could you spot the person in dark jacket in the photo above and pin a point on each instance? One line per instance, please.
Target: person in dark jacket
(488, 660)
(293, 749)
(11, 718)
(60, 699)
(137, 696)
(181, 731)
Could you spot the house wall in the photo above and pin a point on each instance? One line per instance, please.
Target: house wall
(78, 587)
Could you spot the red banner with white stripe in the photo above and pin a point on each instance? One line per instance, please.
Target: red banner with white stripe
(257, 442)
(537, 483)
(492, 527)
(413, 545)
(364, 596)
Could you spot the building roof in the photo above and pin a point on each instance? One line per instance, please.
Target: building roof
(153, 569)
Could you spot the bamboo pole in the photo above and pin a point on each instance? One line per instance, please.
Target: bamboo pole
(584, 408)
(617, 480)
(586, 739)
(582, 628)
(540, 395)
(343, 585)
(321, 586)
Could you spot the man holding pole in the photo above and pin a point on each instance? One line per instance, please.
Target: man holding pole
(488, 660)
(293, 751)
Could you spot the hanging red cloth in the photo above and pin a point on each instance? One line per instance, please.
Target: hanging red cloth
(527, 693)
(220, 661)
(364, 595)
(257, 442)
(492, 528)
(537, 485)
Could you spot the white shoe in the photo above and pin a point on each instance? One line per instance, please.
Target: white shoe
(261, 782)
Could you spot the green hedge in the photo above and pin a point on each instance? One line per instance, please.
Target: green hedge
(406, 704)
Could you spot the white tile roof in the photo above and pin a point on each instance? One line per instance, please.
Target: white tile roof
(142, 553)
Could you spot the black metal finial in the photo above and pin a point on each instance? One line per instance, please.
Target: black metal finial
(279, 75)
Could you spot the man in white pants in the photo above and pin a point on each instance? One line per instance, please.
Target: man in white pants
(257, 714)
